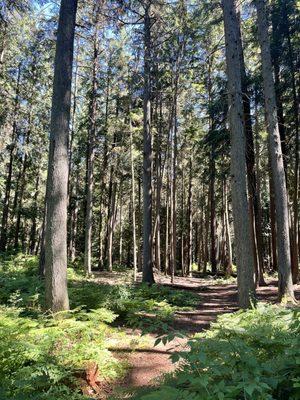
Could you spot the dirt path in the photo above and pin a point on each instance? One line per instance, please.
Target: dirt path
(148, 365)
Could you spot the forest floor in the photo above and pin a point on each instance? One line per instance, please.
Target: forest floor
(107, 341)
(148, 365)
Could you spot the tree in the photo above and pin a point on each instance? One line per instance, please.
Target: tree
(57, 181)
(242, 227)
(5, 211)
(147, 158)
(250, 164)
(91, 150)
(285, 284)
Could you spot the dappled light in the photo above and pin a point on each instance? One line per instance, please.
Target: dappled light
(149, 200)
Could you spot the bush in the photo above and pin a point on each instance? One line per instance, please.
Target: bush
(40, 359)
(21, 287)
(246, 355)
(19, 283)
(150, 308)
(45, 357)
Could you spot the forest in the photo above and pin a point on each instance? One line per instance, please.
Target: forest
(149, 199)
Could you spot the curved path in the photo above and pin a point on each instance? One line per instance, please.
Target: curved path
(148, 365)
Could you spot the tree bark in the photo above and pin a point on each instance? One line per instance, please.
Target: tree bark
(133, 202)
(173, 219)
(182, 228)
(285, 284)
(121, 227)
(147, 156)
(259, 235)
(57, 181)
(158, 190)
(91, 154)
(250, 163)
(167, 236)
(212, 208)
(32, 243)
(227, 232)
(8, 181)
(296, 112)
(20, 194)
(102, 246)
(242, 226)
(74, 219)
(72, 197)
(190, 219)
(273, 241)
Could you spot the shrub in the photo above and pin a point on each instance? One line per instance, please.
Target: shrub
(40, 358)
(246, 355)
(44, 356)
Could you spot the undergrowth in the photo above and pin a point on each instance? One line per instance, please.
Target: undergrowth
(46, 357)
(252, 355)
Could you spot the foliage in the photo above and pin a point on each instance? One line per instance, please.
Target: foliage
(44, 356)
(21, 287)
(151, 308)
(246, 355)
(19, 283)
(40, 358)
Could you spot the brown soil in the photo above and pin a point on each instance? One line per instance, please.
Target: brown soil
(149, 365)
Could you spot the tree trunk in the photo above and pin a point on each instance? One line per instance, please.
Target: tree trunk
(285, 283)
(182, 228)
(167, 236)
(74, 219)
(190, 220)
(8, 180)
(227, 232)
(147, 158)
(242, 226)
(140, 226)
(174, 127)
(72, 200)
(133, 203)
(212, 207)
(102, 246)
(112, 193)
(207, 234)
(42, 258)
(111, 221)
(250, 163)
(273, 241)
(121, 227)
(20, 195)
(296, 112)
(57, 196)
(277, 49)
(32, 243)
(158, 191)
(91, 154)
(212, 176)
(259, 235)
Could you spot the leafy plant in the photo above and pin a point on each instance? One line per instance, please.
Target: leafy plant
(45, 356)
(252, 355)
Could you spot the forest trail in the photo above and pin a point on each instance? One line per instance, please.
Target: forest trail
(150, 364)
